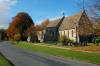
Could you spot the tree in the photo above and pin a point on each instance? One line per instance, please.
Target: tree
(3, 35)
(92, 7)
(17, 37)
(44, 23)
(32, 32)
(97, 28)
(20, 23)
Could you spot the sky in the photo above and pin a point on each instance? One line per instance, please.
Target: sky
(39, 10)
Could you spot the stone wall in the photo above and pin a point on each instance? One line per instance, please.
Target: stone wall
(71, 34)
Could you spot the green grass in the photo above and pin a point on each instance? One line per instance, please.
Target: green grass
(90, 48)
(3, 61)
(84, 56)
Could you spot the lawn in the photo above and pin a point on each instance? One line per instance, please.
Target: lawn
(3, 61)
(90, 48)
(70, 54)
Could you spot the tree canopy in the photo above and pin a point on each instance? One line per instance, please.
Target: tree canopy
(20, 23)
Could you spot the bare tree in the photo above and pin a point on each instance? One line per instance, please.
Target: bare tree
(92, 8)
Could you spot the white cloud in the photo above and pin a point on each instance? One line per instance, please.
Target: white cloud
(5, 6)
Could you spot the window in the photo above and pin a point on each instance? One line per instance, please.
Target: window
(54, 33)
(72, 33)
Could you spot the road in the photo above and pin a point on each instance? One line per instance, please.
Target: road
(21, 57)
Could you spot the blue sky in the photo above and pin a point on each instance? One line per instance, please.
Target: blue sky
(39, 10)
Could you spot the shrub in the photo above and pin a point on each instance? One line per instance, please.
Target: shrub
(64, 40)
(97, 39)
(17, 37)
(72, 40)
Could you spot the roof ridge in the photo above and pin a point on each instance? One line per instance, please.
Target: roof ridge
(71, 21)
(55, 18)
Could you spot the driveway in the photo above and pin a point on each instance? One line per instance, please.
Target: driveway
(20, 57)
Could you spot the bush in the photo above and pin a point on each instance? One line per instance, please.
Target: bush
(72, 40)
(97, 39)
(64, 40)
(17, 37)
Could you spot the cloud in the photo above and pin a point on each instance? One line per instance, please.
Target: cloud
(5, 6)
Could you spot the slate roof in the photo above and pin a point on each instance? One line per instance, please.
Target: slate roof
(70, 21)
(54, 23)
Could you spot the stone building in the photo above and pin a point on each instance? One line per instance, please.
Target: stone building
(51, 32)
(77, 28)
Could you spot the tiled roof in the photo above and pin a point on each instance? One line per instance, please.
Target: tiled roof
(54, 23)
(70, 22)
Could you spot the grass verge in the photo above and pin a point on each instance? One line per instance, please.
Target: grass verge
(84, 56)
(4, 62)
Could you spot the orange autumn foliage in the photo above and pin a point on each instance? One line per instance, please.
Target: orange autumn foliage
(44, 23)
(30, 29)
(20, 23)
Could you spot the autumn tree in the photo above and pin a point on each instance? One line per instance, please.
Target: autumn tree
(30, 29)
(97, 28)
(32, 32)
(20, 23)
(92, 8)
(39, 27)
(44, 23)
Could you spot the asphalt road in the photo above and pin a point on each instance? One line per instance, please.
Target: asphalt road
(20, 57)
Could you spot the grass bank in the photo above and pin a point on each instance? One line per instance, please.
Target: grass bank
(84, 56)
(3, 61)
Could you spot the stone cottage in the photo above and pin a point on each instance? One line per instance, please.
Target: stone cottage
(77, 28)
